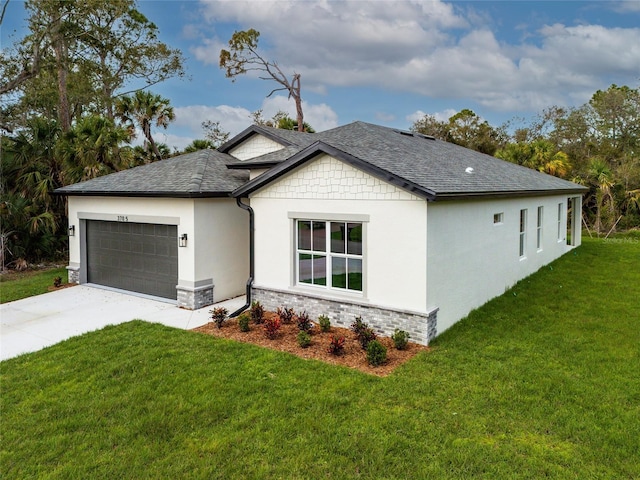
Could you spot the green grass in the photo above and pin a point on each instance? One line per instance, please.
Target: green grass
(543, 381)
(14, 286)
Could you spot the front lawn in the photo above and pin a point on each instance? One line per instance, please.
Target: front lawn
(17, 285)
(541, 382)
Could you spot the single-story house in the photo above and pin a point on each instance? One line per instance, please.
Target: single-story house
(403, 229)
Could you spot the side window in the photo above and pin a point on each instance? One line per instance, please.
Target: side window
(523, 233)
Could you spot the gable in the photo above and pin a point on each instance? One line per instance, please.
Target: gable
(255, 146)
(326, 177)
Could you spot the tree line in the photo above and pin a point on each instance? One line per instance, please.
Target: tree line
(596, 145)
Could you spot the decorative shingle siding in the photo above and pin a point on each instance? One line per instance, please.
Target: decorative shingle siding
(254, 147)
(421, 327)
(329, 178)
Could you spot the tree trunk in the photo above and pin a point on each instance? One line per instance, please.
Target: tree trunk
(146, 129)
(295, 92)
(60, 49)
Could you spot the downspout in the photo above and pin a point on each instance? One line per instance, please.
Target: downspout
(251, 257)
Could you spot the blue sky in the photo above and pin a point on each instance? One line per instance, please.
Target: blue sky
(391, 62)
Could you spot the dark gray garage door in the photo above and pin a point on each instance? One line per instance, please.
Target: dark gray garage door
(140, 257)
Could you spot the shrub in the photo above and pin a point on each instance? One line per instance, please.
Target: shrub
(304, 339)
(364, 333)
(243, 322)
(400, 339)
(324, 322)
(57, 282)
(304, 323)
(219, 315)
(286, 314)
(271, 326)
(376, 353)
(336, 345)
(257, 312)
(358, 325)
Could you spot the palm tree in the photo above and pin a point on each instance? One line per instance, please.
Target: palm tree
(145, 109)
(601, 176)
(92, 148)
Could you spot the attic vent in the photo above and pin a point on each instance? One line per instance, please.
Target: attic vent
(403, 132)
(426, 137)
(469, 169)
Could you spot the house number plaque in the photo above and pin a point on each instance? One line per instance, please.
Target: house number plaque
(123, 218)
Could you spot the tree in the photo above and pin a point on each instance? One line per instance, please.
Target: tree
(214, 133)
(243, 56)
(199, 144)
(539, 155)
(145, 109)
(92, 51)
(92, 148)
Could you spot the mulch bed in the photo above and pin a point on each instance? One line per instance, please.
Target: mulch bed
(353, 355)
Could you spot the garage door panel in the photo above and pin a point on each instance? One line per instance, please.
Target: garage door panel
(132, 256)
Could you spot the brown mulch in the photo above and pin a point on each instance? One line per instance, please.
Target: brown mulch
(353, 355)
(53, 288)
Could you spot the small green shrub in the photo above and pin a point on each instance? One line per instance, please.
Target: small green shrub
(243, 322)
(286, 314)
(304, 339)
(400, 339)
(336, 345)
(257, 312)
(376, 353)
(219, 315)
(57, 282)
(304, 322)
(324, 322)
(271, 326)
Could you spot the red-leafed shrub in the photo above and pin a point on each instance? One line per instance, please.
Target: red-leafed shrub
(271, 326)
(336, 345)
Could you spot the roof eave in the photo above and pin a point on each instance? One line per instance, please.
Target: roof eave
(508, 194)
(250, 166)
(95, 193)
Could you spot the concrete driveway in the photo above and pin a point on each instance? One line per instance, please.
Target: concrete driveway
(33, 323)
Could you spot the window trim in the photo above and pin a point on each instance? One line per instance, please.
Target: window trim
(328, 254)
(540, 228)
(560, 209)
(498, 218)
(523, 233)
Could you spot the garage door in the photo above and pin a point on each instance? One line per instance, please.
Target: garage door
(140, 257)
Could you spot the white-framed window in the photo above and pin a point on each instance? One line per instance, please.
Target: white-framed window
(560, 207)
(498, 218)
(523, 233)
(329, 254)
(539, 228)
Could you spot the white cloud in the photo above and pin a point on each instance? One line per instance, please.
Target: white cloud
(432, 48)
(442, 116)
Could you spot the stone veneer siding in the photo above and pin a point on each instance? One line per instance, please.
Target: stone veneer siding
(73, 274)
(195, 298)
(421, 327)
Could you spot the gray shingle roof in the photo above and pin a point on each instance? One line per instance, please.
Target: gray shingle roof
(430, 168)
(199, 174)
(283, 137)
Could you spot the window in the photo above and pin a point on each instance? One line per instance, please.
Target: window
(523, 232)
(560, 221)
(539, 229)
(329, 254)
(498, 218)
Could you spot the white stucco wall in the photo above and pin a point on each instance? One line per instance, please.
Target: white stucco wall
(471, 259)
(217, 230)
(394, 250)
(221, 242)
(255, 146)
